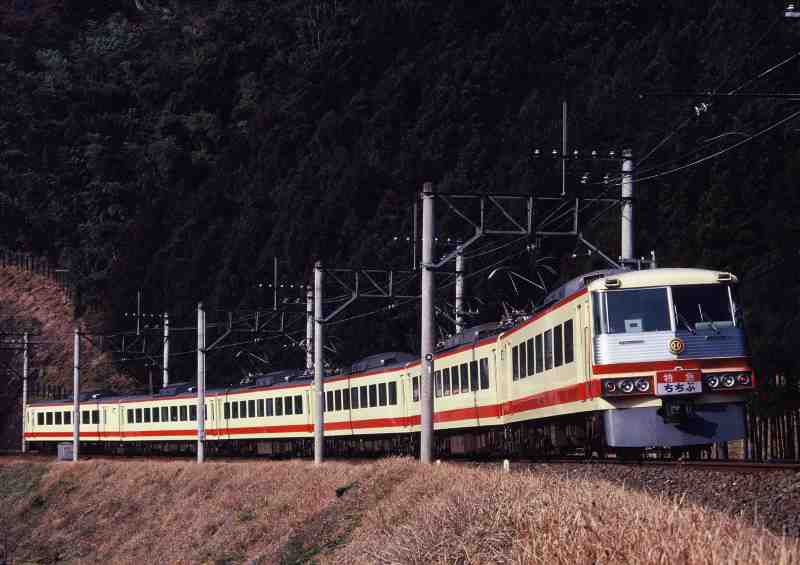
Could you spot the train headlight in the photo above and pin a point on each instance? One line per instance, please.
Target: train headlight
(728, 381)
(611, 387)
(713, 381)
(744, 379)
(626, 386)
(643, 385)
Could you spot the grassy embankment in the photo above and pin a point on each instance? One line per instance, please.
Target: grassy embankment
(389, 511)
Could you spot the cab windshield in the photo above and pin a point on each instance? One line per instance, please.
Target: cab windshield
(703, 306)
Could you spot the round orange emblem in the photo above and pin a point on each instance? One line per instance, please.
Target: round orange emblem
(676, 345)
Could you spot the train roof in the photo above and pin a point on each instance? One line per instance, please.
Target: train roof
(657, 277)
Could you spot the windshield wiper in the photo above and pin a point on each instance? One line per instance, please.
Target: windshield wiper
(681, 318)
(710, 321)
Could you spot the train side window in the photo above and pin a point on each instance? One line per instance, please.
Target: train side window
(40, 419)
(523, 361)
(454, 376)
(354, 397)
(539, 354)
(337, 400)
(464, 377)
(193, 412)
(473, 375)
(234, 409)
(251, 408)
(95, 416)
(393, 393)
(279, 406)
(138, 415)
(363, 396)
(298, 404)
(415, 389)
(243, 409)
(268, 407)
(57, 419)
(85, 417)
(227, 410)
(147, 415)
(155, 414)
(437, 383)
(184, 413)
(373, 396)
(531, 360)
(548, 349)
(287, 403)
(558, 345)
(68, 418)
(329, 404)
(49, 418)
(382, 395)
(514, 363)
(346, 399)
(484, 368)
(569, 345)
(164, 413)
(260, 407)
(446, 382)
(130, 415)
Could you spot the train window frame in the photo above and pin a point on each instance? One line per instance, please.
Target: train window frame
(164, 414)
(455, 383)
(346, 399)
(243, 409)
(569, 342)
(515, 363)
(95, 417)
(193, 412)
(279, 406)
(139, 415)
(260, 407)
(483, 367)
(146, 415)
(383, 395)
(269, 407)
(40, 418)
(464, 370)
(57, 418)
(130, 417)
(48, 418)
(437, 383)
(558, 346)
(85, 417)
(392, 393)
(363, 396)
(298, 404)
(329, 403)
(446, 381)
(155, 413)
(226, 410)
(539, 353)
(373, 395)
(288, 409)
(337, 399)
(548, 349)
(67, 418)
(354, 398)
(473, 376)
(251, 408)
(529, 350)
(234, 410)
(415, 389)
(184, 413)
(523, 361)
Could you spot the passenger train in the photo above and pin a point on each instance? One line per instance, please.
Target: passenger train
(612, 361)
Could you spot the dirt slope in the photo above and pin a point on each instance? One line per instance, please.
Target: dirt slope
(388, 511)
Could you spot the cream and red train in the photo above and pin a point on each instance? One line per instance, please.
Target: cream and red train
(614, 359)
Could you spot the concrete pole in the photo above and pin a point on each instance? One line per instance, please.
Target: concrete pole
(201, 382)
(309, 330)
(76, 391)
(459, 290)
(319, 382)
(24, 390)
(427, 321)
(627, 249)
(165, 362)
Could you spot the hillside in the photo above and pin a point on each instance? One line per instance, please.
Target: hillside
(178, 146)
(390, 511)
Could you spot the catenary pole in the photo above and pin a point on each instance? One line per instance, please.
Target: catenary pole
(201, 382)
(76, 391)
(24, 390)
(427, 321)
(165, 363)
(309, 329)
(627, 249)
(459, 290)
(319, 382)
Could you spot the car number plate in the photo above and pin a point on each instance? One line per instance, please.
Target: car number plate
(678, 382)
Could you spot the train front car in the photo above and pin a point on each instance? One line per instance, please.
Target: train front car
(670, 358)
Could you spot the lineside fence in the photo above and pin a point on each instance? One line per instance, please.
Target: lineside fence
(773, 422)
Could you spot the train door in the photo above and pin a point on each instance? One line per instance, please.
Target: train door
(585, 342)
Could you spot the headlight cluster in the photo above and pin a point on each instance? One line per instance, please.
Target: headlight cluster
(728, 381)
(629, 386)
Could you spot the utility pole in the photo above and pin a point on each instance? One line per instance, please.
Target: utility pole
(460, 290)
(626, 240)
(138, 312)
(165, 363)
(427, 322)
(24, 389)
(201, 382)
(309, 329)
(76, 390)
(319, 381)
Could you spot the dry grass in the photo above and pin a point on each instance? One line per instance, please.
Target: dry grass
(389, 511)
